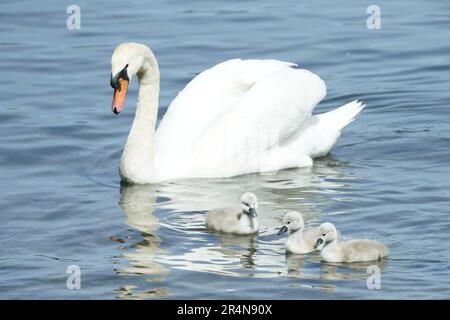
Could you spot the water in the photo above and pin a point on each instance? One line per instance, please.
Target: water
(61, 200)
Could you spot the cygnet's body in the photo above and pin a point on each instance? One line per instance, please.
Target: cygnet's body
(299, 241)
(356, 250)
(238, 220)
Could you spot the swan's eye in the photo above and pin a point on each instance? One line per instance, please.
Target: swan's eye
(324, 235)
(289, 222)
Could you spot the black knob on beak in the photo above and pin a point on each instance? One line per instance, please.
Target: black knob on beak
(114, 82)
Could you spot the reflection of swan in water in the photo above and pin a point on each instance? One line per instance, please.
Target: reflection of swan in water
(180, 207)
(297, 189)
(232, 256)
(138, 203)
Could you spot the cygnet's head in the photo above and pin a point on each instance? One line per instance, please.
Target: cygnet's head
(292, 221)
(249, 203)
(327, 233)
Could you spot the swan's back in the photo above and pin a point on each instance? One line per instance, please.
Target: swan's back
(211, 93)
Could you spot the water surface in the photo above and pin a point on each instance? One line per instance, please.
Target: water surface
(62, 203)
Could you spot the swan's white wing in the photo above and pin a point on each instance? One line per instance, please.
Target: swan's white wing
(236, 99)
(210, 94)
(278, 102)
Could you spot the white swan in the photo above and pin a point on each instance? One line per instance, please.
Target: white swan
(238, 117)
(356, 250)
(239, 220)
(299, 241)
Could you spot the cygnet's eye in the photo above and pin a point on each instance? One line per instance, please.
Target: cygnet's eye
(324, 235)
(289, 222)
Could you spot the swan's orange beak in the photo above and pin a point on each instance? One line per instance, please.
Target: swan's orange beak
(120, 94)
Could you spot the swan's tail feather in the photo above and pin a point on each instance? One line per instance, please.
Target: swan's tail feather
(343, 116)
(320, 132)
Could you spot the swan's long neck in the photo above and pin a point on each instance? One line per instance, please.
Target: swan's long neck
(137, 159)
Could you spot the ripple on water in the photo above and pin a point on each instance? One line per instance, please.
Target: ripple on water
(62, 202)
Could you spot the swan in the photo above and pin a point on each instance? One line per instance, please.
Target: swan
(238, 117)
(299, 241)
(356, 250)
(239, 220)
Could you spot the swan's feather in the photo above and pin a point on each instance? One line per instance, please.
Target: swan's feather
(210, 95)
(319, 133)
(231, 106)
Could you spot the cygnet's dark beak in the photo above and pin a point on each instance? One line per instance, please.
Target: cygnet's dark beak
(319, 241)
(283, 229)
(252, 212)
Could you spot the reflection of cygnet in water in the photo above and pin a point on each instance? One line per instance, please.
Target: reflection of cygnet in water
(298, 241)
(355, 250)
(239, 220)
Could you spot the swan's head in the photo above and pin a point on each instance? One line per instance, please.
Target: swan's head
(249, 203)
(126, 61)
(292, 221)
(327, 233)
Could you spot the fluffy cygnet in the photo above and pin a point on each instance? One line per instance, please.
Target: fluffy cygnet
(240, 219)
(356, 250)
(299, 241)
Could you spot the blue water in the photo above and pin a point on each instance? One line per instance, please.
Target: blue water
(61, 202)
